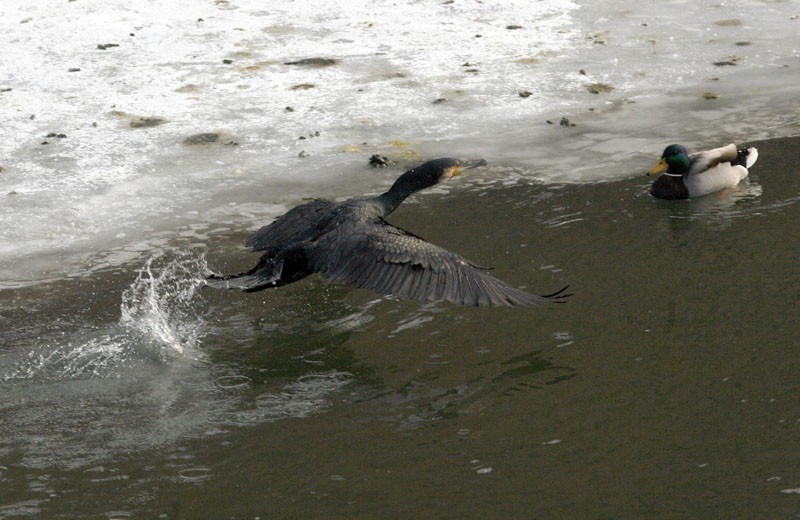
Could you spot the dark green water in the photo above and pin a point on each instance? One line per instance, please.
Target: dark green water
(667, 387)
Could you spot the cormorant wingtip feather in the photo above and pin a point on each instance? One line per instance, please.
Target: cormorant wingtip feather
(558, 295)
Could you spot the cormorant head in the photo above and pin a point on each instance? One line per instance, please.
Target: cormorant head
(424, 176)
(437, 170)
(675, 159)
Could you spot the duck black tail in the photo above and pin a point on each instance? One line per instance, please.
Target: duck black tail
(746, 157)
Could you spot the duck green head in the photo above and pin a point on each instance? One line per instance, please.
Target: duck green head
(674, 160)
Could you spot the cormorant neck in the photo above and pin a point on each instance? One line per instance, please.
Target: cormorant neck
(405, 185)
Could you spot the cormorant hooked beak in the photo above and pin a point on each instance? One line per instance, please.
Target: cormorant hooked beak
(467, 164)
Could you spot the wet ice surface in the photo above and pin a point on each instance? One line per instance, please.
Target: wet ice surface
(119, 90)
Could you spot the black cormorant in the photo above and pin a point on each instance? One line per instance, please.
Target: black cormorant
(351, 242)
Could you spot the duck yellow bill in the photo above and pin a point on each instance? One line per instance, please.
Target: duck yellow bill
(661, 167)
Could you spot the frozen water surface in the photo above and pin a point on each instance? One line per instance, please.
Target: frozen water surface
(120, 86)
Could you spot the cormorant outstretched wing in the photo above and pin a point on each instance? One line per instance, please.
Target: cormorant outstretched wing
(295, 226)
(389, 260)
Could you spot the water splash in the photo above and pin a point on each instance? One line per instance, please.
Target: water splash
(86, 396)
(159, 303)
(91, 357)
(158, 318)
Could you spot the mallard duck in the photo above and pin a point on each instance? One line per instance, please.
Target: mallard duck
(351, 242)
(684, 176)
